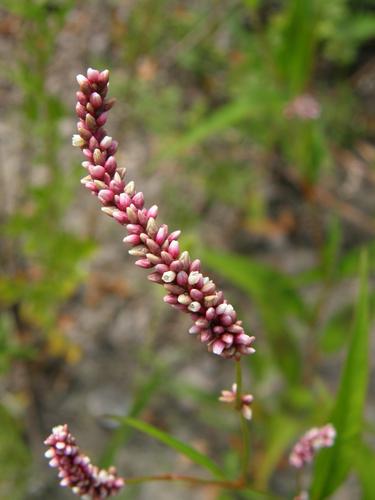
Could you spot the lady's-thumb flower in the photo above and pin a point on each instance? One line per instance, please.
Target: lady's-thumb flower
(245, 400)
(313, 440)
(215, 321)
(76, 470)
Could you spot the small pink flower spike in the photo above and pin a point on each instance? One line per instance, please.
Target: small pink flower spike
(313, 440)
(303, 495)
(76, 470)
(215, 321)
(304, 107)
(231, 397)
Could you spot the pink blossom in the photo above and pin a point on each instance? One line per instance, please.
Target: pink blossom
(215, 321)
(76, 470)
(312, 441)
(231, 397)
(304, 107)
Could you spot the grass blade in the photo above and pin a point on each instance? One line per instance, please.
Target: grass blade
(194, 455)
(122, 434)
(333, 465)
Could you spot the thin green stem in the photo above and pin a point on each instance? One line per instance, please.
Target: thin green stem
(299, 481)
(186, 479)
(238, 383)
(231, 485)
(244, 425)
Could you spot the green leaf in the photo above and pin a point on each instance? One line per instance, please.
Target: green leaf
(364, 464)
(194, 455)
(122, 433)
(333, 465)
(220, 120)
(276, 445)
(275, 297)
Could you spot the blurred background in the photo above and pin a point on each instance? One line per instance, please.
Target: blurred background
(250, 124)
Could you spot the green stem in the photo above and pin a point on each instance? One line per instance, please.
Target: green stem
(244, 425)
(231, 485)
(186, 479)
(299, 481)
(238, 383)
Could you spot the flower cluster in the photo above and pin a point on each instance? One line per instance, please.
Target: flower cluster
(76, 470)
(245, 400)
(215, 321)
(312, 441)
(304, 107)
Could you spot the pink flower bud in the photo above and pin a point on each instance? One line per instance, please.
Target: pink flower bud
(100, 121)
(182, 278)
(161, 234)
(195, 265)
(174, 236)
(153, 211)
(96, 100)
(210, 314)
(174, 249)
(170, 299)
(138, 200)
(218, 347)
(106, 142)
(132, 239)
(110, 165)
(144, 263)
(194, 307)
(93, 75)
(81, 111)
(168, 276)
(81, 98)
(120, 216)
(104, 77)
(196, 294)
(176, 266)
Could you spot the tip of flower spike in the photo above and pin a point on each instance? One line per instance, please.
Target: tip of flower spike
(76, 470)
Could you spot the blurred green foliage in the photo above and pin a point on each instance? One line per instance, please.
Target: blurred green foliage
(207, 87)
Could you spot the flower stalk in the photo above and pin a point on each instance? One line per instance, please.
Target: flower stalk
(245, 437)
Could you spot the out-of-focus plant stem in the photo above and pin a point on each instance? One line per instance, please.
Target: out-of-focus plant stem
(230, 485)
(244, 425)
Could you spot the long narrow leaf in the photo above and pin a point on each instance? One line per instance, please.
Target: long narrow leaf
(194, 455)
(122, 433)
(364, 464)
(333, 465)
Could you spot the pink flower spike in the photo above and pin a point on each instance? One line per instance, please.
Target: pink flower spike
(157, 249)
(313, 440)
(231, 397)
(75, 469)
